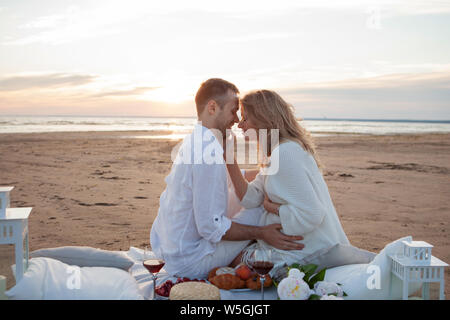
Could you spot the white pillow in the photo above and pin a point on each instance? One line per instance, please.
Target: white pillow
(338, 255)
(50, 279)
(31, 286)
(335, 256)
(84, 256)
(360, 281)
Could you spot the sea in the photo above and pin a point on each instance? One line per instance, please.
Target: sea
(178, 127)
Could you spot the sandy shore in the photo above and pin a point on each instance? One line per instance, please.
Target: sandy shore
(102, 190)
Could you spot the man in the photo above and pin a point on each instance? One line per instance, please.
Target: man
(192, 232)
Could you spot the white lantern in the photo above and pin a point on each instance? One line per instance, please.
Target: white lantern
(14, 230)
(4, 200)
(416, 264)
(418, 251)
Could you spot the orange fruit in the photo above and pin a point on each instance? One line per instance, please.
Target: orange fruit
(243, 272)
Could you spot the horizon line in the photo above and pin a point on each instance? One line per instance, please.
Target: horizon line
(193, 117)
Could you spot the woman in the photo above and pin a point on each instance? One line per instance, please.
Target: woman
(294, 194)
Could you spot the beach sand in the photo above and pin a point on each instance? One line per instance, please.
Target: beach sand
(102, 189)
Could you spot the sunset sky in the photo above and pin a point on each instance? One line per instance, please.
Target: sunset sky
(335, 59)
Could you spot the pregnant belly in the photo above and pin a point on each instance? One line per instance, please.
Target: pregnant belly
(269, 218)
(313, 240)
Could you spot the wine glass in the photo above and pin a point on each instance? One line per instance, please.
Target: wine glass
(259, 259)
(153, 265)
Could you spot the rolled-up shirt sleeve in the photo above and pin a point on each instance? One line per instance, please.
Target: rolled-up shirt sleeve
(210, 201)
(254, 197)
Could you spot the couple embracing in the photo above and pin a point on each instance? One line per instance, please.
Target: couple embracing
(288, 209)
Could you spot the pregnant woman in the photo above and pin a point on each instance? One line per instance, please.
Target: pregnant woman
(290, 186)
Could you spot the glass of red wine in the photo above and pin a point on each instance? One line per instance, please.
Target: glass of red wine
(153, 265)
(259, 259)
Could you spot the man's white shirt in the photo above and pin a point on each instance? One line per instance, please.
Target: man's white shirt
(192, 217)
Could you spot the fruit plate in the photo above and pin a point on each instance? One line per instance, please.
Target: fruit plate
(234, 290)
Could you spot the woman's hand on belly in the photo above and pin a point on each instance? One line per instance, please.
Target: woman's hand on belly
(270, 206)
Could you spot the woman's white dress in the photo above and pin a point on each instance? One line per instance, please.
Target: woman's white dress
(294, 180)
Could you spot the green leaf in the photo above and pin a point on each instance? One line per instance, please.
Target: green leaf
(345, 295)
(275, 283)
(318, 277)
(314, 297)
(308, 270)
(295, 265)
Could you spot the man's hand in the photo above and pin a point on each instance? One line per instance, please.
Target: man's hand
(272, 235)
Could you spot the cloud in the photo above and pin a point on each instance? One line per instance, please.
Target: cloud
(24, 82)
(393, 96)
(420, 95)
(41, 104)
(114, 17)
(72, 24)
(44, 22)
(131, 92)
(255, 37)
(432, 80)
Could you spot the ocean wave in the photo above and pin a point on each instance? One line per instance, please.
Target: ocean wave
(12, 124)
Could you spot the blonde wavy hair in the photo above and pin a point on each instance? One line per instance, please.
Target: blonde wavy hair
(269, 111)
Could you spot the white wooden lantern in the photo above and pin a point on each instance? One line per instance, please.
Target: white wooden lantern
(14, 230)
(416, 264)
(4, 200)
(418, 251)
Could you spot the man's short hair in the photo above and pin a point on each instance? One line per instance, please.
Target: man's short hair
(213, 89)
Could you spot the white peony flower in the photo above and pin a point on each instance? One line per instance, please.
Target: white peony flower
(326, 297)
(323, 288)
(294, 287)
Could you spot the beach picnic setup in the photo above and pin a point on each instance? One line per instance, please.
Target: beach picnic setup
(248, 151)
(402, 268)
